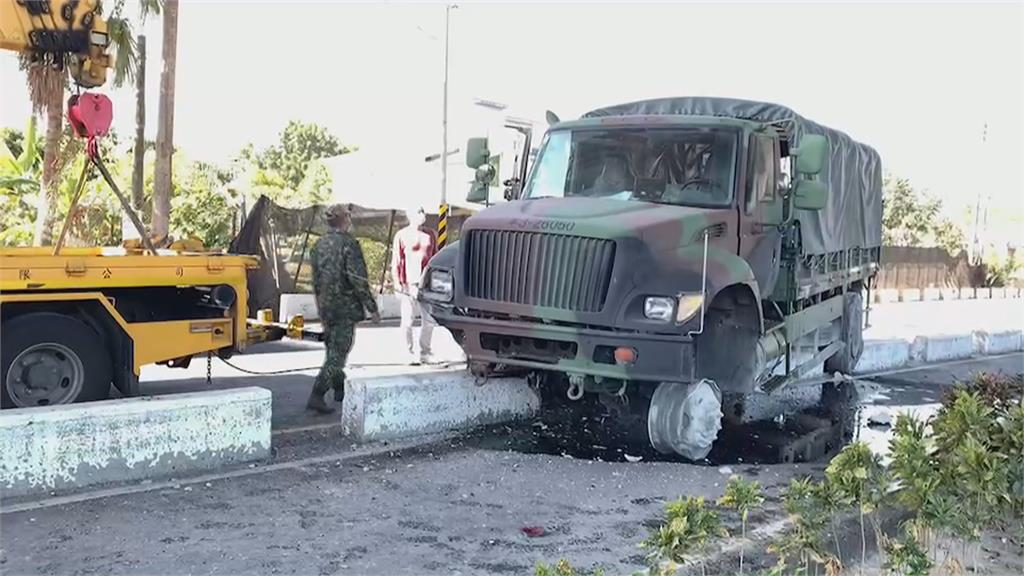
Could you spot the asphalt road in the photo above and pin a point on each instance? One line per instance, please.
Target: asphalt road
(451, 505)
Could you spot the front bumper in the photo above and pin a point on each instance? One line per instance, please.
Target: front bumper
(659, 357)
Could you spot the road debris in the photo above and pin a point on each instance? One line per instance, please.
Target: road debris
(533, 531)
(880, 419)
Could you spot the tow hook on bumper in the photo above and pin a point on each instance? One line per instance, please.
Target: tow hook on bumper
(481, 372)
(575, 391)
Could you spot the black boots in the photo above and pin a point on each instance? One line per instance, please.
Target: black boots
(318, 404)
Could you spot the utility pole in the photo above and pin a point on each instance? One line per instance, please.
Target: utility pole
(442, 222)
(976, 251)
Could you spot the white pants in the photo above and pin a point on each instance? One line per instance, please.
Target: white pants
(409, 308)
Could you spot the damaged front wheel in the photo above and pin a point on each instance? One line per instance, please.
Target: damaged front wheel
(685, 419)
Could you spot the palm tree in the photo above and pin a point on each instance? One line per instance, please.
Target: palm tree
(47, 80)
(132, 66)
(165, 123)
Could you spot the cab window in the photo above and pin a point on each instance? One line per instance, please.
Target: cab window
(761, 171)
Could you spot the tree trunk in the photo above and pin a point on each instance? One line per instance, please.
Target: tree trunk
(165, 123)
(49, 189)
(138, 175)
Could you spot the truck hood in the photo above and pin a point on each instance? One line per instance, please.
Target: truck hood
(659, 226)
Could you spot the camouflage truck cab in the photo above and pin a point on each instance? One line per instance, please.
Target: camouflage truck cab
(692, 251)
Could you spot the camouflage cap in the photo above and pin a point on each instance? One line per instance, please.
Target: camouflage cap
(336, 211)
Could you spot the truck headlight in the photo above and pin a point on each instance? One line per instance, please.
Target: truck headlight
(440, 285)
(659, 308)
(689, 304)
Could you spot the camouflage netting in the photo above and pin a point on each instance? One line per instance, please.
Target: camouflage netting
(282, 239)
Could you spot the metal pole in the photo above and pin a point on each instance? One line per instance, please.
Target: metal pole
(442, 224)
(444, 113)
(976, 251)
(79, 187)
(147, 242)
(387, 255)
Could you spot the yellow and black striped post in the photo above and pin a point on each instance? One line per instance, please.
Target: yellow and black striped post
(442, 227)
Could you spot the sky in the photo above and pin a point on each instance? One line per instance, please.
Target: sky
(918, 81)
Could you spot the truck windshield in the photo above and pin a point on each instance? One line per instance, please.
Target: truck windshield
(688, 166)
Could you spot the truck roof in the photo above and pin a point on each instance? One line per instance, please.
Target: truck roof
(714, 107)
(653, 120)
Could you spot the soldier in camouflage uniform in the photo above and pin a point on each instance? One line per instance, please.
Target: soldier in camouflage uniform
(343, 298)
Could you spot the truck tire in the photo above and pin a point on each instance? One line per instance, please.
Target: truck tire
(726, 353)
(851, 330)
(48, 359)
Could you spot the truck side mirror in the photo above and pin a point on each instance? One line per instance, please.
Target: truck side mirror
(481, 188)
(810, 194)
(477, 153)
(811, 154)
(478, 193)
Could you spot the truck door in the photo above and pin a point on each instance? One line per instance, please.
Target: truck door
(760, 210)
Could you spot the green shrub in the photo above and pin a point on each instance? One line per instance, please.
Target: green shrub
(689, 526)
(375, 255)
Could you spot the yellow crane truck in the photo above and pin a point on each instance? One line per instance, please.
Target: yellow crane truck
(73, 321)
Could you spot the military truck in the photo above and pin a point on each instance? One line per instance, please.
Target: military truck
(690, 252)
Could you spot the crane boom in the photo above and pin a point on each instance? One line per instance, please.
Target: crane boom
(59, 33)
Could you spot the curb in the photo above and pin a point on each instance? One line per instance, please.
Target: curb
(898, 353)
(77, 445)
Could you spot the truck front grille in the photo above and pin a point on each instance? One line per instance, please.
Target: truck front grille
(538, 269)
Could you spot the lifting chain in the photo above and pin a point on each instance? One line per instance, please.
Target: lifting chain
(209, 368)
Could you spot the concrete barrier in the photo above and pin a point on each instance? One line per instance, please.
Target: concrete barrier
(399, 406)
(305, 304)
(294, 304)
(987, 343)
(949, 294)
(998, 292)
(931, 294)
(983, 293)
(910, 295)
(944, 347)
(67, 447)
(968, 293)
(883, 355)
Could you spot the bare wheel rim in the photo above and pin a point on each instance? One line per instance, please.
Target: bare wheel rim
(45, 374)
(685, 418)
(856, 336)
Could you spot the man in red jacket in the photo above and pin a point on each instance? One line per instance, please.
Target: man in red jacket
(413, 247)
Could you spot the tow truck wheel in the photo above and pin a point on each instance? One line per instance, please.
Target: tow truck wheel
(48, 359)
(685, 419)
